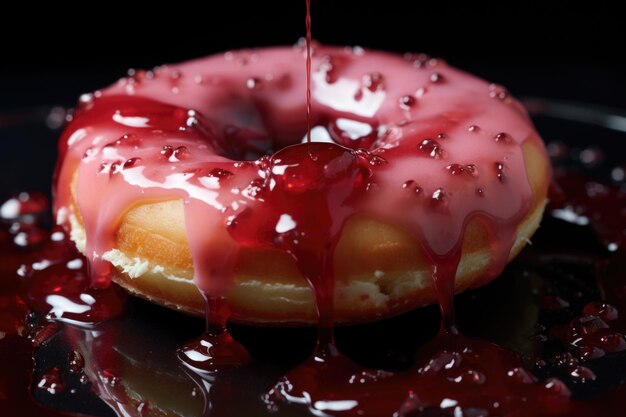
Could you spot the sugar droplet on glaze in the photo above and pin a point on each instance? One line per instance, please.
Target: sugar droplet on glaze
(406, 102)
(499, 166)
(502, 137)
(373, 81)
(431, 148)
(436, 78)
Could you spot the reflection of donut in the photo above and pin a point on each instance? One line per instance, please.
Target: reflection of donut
(452, 162)
(130, 366)
(133, 384)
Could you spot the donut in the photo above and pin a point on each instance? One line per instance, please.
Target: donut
(196, 180)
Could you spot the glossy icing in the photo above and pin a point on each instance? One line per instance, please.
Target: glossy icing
(443, 147)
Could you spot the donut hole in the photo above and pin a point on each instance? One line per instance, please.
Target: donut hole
(351, 133)
(246, 130)
(248, 145)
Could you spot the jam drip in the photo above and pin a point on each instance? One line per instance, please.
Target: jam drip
(329, 178)
(308, 70)
(215, 350)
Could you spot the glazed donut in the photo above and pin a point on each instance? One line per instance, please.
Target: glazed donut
(173, 177)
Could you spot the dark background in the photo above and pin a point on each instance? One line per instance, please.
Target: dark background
(51, 54)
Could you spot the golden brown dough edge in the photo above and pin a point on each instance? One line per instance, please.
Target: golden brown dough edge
(380, 270)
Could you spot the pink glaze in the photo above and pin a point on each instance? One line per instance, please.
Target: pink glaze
(443, 147)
